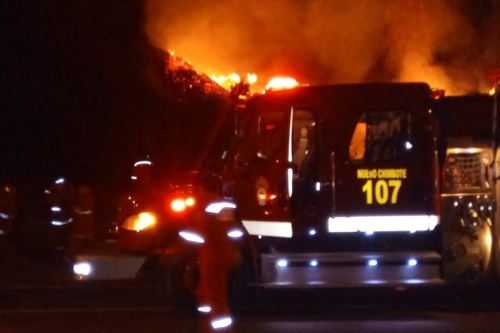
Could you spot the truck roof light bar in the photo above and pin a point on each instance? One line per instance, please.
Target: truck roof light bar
(382, 223)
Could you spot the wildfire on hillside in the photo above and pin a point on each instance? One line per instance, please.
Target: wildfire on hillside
(331, 42)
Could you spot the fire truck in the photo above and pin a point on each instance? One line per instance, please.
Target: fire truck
(339, 186)
(366, 185)
(468, 187)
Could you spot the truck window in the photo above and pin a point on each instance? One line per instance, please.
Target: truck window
(271, 135)
(381, 136)
(303, 137)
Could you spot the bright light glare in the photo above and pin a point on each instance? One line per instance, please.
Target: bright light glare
(192, 237)
(5, 216)
(235, 233)
(139, 222)
(282, 263)
(412, 262)
(190, 201)
(58, 223)
(144, 220)
(382, 223)
(313, 263)
(204, 308)
(312, 232)
(408, 145)
(55, 209)
(178, 205)
(82, 268)
(372, 262)
(222, 322)
(280, 83)
(59, 181)
(217, 207)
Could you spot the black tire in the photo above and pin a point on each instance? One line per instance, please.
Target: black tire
(178, 281)
(241, 295)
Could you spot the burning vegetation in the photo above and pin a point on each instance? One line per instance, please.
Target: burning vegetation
(440, 42)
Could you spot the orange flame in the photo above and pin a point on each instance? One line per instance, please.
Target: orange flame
(280, 83)
(226, 81)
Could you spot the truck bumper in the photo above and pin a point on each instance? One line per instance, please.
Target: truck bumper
(310, 270)
(106, 262)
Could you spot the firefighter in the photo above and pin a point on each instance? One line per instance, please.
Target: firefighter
(61, 199)
(140, 190)
(7, 214)
(142, 173)
(82, 232)
(218, 255)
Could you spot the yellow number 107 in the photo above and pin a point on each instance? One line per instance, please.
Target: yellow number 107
(382, 190)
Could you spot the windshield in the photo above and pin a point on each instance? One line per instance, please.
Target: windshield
(271, 135)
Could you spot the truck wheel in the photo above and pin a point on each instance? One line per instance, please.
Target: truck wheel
(241, 295)
(179, 281)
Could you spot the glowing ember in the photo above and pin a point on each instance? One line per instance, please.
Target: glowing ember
(492, 91)
(280, 83)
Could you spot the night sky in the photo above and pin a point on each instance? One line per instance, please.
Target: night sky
(82, 89)
(74, 89)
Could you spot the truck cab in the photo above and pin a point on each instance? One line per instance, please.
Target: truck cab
(338, 186)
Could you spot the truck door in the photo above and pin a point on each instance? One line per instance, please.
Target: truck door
(266, 173)
(389, 182)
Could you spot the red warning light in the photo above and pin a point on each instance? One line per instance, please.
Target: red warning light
(270, 127)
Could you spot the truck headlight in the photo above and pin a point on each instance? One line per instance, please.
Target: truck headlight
(140, 222)
(82, 269)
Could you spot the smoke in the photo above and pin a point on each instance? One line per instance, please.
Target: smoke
(330, 41)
